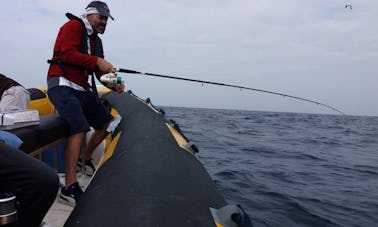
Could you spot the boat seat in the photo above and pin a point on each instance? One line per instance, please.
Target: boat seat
(36, 138)
(36, 93)
(29, 138)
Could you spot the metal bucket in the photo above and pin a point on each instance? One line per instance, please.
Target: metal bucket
(8, 212)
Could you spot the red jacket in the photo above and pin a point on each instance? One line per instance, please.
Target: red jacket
(76, 64)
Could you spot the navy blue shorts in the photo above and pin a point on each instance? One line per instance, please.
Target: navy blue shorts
(81, 109)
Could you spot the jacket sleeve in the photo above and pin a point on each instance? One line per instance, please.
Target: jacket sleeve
(71, 37)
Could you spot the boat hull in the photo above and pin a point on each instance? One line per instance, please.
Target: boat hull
(146, 178)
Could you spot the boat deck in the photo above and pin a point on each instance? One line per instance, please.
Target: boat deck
(59, 212)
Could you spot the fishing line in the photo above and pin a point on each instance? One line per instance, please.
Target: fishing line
(236, 86)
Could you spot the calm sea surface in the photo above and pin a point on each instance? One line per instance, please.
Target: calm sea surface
(289, 169)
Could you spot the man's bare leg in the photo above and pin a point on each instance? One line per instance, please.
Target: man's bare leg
(97, 137)
(71, 156)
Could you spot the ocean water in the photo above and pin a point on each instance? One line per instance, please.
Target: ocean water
(289, 169)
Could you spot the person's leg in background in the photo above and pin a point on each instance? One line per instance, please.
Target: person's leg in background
(34, 184)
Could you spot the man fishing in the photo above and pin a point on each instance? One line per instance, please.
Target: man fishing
(78, 54)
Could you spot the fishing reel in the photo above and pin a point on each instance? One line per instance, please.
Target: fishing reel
(112, 79)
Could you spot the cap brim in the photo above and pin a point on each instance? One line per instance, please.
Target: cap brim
(106, 15)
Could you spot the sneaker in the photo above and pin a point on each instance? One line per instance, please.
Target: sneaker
(79, 166)
(71, 195)
(89, 168)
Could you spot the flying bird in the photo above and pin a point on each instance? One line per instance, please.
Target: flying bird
(348, 6)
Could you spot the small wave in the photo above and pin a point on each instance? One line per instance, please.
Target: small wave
(366, 169)
(259, 150)
(338, 169)
(294, 209)
(230, 175)
(307, 157)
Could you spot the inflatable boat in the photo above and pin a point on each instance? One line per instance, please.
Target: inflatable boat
(149, 173)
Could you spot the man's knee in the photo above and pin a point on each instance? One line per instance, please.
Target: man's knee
(51, 181)
(46, 179)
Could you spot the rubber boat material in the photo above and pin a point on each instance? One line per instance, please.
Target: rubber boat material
(147, 177)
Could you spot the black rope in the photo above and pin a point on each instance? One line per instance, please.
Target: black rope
(235, 86)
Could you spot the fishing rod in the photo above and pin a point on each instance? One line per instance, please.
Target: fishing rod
(112, 77)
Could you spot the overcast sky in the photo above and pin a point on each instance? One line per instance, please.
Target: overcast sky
(314, 49)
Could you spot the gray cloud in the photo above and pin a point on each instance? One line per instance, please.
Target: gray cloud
(313, 49)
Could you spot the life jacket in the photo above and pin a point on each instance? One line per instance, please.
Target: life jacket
(98, 48)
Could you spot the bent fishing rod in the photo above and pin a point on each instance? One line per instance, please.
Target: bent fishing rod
(113, 78)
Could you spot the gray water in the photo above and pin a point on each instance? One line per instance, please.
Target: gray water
(289, 169)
